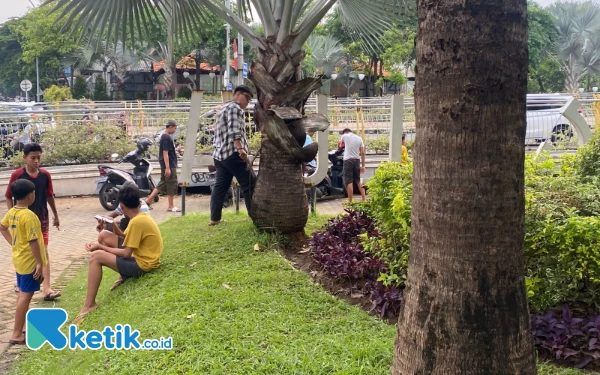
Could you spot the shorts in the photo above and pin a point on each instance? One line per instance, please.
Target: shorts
(27, 284)
(46, 236)
(128, 268)
(351, 171)
(168, 186)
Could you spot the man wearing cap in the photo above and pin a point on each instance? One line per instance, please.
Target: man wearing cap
(231, 152)
(168, 167)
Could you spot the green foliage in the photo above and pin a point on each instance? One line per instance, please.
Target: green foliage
(548, 76)
(140, 95)
(10, 58)
(185, 92)
(80, 88)
(542, 33)
(390, 195)
(562, 229)
(74, 144)
(588, 158)
(380, 145)
(100, 90)
(57, 94)
(254, 142)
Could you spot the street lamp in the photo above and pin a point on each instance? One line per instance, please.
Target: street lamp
(186, 74)
(581, 89)
(212, 79)
(361, 76)
(595, 88)
(334, 76)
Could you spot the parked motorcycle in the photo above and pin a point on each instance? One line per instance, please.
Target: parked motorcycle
(111, 179)
(333, 184)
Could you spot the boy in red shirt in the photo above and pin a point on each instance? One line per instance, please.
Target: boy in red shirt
(32, 153)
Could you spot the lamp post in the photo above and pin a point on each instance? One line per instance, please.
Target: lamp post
(186, 75)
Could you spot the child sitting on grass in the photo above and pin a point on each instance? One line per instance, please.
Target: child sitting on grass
(23, 231)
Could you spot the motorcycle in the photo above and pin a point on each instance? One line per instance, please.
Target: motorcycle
(333, 184)
(112, 179)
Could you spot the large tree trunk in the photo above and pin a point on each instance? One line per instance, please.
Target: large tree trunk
(465, 309)
(279, 202)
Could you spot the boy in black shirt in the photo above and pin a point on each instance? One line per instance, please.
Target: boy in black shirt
(168, 167)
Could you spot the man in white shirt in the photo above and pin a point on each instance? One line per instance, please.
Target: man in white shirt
(354, 154)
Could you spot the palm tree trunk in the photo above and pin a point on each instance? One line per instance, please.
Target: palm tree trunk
(279, 202)
(465, 309)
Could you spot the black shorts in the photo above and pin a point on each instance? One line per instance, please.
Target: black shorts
(128, 268)
(351, 171)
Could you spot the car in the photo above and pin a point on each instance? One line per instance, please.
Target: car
(545, 120)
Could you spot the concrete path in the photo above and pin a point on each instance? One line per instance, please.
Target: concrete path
(67, 249)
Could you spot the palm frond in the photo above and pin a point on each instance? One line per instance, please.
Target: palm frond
(369, 19)
(326, 51)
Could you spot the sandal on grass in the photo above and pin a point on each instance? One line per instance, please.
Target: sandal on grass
(51, 296)
(117, 284)
(174, 209)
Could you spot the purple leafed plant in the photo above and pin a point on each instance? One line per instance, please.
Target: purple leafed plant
(384, 299)
(568, 338)
(338, 250)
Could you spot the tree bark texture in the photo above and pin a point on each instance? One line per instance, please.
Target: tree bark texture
(465, 309)
(279, 202)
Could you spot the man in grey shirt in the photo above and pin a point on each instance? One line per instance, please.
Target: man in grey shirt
(354, 154)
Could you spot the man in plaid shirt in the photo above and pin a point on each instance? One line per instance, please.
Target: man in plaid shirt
(231, 152)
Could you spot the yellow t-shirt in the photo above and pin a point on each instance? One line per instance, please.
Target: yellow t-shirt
(143, 236)
(404, 159)
(24, 226)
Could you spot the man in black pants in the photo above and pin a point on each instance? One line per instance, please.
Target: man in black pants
(231, 152)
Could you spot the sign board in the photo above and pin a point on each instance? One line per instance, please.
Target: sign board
(230, 86)
(245, 70)
(26, 85)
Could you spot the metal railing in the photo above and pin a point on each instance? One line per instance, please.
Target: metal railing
(368, 116)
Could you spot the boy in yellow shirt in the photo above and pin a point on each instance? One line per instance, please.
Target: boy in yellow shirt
(23, 231)
(141, 253)
(404, 158)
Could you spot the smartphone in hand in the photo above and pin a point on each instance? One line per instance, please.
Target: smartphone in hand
(104, 219)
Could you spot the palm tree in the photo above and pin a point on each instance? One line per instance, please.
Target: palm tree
(117, 59)
(326, 53)
(465, 308)
(578, 40)
(279, 199)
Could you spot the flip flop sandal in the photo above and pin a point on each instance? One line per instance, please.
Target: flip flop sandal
(16, 289)
(16, 342)
(212, 224)
(117, 284)
(174, 209)
(51, 296)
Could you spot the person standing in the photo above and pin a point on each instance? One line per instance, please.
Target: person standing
(44, 196)
(231, 152)
(167, 157)
(354, 163)
(404, 158)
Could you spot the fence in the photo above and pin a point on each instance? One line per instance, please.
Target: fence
(369, 117)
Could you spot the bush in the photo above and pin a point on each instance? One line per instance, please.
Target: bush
(80, 88)
(339, 251)
(565, 337)
(140, 95)
(185, 92)
(380, 145)
(254, 142)
(100, 90)
(74, 144)
(55, 94)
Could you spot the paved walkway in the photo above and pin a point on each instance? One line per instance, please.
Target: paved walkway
(67, 248)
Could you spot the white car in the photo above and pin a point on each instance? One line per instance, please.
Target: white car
(545, 120)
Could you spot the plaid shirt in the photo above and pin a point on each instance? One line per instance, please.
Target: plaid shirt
(229, 127)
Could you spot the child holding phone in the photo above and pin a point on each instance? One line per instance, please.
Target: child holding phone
(23, 231)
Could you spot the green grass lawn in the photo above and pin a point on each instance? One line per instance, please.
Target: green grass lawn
(229, 309)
